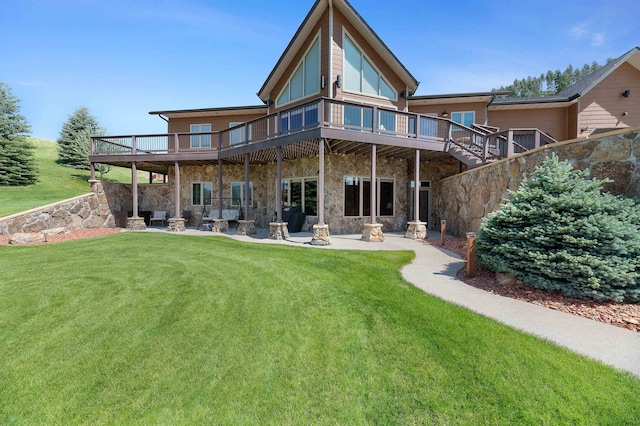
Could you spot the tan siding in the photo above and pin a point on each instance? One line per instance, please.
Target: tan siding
(340, 23)
(550, 120)
(603, 106)
(478, 107)
(183, 125)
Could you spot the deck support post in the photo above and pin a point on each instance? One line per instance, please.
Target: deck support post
(246, 226)
(135, 223)
(176, 166)
(321, 235)
(416, 229)
(93, 171)
(373, 231)
(279, 185)
(219, 188)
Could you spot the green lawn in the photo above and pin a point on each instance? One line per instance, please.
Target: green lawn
(140, 328)
(55, 182)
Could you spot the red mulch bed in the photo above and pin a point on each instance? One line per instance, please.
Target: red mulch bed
(625, 315)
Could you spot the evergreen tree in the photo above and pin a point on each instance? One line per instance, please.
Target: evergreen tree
(549, 83)
(560, 233)
(75, 139)
(17, 166)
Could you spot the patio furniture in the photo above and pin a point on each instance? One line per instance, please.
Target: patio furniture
(158, 215)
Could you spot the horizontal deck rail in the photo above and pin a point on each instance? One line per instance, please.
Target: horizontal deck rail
(333, 114)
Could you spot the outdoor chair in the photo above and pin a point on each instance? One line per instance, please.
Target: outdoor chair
(158, 215)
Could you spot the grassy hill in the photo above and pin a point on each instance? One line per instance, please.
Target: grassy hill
(55, 182)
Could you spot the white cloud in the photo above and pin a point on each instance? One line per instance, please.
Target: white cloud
(584, 31)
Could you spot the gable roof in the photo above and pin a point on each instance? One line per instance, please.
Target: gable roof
(304, 31)
(581, 87)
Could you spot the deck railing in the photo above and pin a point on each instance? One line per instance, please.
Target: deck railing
(330, 113)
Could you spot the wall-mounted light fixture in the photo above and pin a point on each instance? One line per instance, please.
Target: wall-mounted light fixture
(625, 113)
(445, 114)
(323, 82)
(626, 93)
(339, 81)
(404, 94)
(584, 129)
(269, 102)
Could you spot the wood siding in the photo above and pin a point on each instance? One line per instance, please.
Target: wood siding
(479, 108)
(218, 123)
(550, 120)
(603, 106)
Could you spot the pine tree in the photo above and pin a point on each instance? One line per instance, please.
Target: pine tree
(75, 138)
(560, 233)
(17, 166)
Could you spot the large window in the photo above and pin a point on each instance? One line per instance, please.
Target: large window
(360, 75)
(238, 191)
(305, 80)
(301, 192)
(201, 193)
(200, 141)
(357, 196)
(466, 118)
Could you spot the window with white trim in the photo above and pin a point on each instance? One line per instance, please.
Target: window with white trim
(238, 191)
(301, 192)
(360, 75)
(357, 196)
(200, 141)
(239, 135)
(201, 193)
(466, 118)
(305, 80)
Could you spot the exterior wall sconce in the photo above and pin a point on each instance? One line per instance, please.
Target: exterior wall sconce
(625, 113)
(626, 93)
(269, 102)
(403, 94)
(445, 114)
(339, 81)
(323, 82)
(584, 129)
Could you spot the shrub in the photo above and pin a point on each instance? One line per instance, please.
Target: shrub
(560, 233)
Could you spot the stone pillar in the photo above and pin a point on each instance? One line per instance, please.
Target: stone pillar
(220, 225)
(246, 227)
(278, 231)
(136, 224)
(176, 224)
(416, 230)
(321, 235)
(372, 232)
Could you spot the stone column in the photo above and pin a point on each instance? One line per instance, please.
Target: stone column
(278, 231)
(373, 231)
(246, 227)
(321, 235)
(416, 229)
(135, 223)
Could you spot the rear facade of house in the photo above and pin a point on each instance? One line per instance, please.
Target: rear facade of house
(340, 134)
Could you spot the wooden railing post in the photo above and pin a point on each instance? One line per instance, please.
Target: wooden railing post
(443, 232)
(374, 119)
(321, 107)
(471, 254)
(278, 124)
(536, 143)
(510, 150)
(485, 149)
(176, 141)
(133, 145)
(91, 147)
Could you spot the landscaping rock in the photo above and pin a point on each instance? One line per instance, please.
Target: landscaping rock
(26, 238)
(505, 279)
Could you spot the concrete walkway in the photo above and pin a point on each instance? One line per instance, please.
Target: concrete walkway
(434, 271)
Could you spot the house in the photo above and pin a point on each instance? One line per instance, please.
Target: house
(341, 134)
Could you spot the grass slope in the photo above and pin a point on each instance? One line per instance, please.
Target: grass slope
(55, 182)
(205, 330)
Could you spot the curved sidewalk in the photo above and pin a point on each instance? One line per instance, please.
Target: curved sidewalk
(434, 271)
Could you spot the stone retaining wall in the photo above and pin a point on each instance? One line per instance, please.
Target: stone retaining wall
(82, 212)
(465, 199)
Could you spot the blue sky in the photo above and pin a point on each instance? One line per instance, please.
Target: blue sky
(123, 59)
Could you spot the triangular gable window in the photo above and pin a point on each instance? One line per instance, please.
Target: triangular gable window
(361, 76)
(305, 80)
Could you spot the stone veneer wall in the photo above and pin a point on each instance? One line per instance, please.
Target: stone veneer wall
(82, 212)
(465, 199)
(156, 196)
(263, 178)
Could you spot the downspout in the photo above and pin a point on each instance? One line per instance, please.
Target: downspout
(330, 67)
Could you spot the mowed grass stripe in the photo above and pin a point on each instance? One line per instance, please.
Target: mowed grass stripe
(140, 328)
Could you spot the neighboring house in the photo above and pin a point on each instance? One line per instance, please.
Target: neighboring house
(341, 134)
